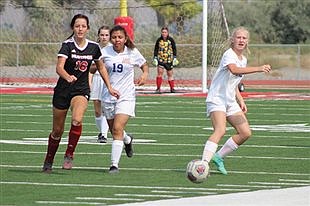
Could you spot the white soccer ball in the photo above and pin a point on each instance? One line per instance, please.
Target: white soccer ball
(197, 171)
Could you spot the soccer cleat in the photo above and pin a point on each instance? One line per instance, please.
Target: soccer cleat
(47, 167)
(219, 162)
(172, 91)
(113, 170)
(128, 147)
(68, 162)
(157, 91)
(102, 138)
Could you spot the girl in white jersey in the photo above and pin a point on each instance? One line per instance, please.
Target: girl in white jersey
(97, 85)
(225, 103)
(120, 59)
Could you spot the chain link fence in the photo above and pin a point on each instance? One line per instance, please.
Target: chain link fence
(31, 36)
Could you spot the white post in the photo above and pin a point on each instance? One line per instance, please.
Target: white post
(204, 46)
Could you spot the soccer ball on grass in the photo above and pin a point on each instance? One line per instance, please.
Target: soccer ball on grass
(197, 171)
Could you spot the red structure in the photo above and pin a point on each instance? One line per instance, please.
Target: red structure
(128, 24)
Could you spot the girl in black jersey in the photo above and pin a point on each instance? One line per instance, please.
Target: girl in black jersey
(72, 90)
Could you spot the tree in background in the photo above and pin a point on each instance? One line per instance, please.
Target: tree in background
(290, 21)
(172, 11)
(281, 21)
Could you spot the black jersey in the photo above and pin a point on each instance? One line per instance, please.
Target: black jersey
(78, 62)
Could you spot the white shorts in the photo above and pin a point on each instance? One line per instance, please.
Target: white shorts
(96, 90)
(122, 107)
(228, 109)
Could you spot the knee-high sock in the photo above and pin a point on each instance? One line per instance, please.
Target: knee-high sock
(99, 123)
(171, 84)
(228, 148)
(52, 148)
(104, 125)
(127, 138)
(209, 150)
(159, 81)
(74, 136)
(117, 148)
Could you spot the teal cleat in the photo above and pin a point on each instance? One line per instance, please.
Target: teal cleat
(219, 162)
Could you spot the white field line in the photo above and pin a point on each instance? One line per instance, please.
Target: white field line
(161, 170)
(142, 142)
(251, 186)
(150, 134)
(183, 192)
(290, 180)
(146, 195)
(166, 155)
(109, 198)
(69, 203)
(164, 112)
(280, 183)
(49, 184)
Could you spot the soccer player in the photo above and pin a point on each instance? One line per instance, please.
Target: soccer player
(165, 58)
(225, 103)
(97, 85)
(72, 89)
(120, 59)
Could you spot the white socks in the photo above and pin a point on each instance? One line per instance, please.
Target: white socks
(126, 139)
(209, 150)
(117, 148)
(102, 125)
(228, 148)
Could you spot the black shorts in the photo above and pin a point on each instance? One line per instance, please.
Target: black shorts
(167, 66)
(62, 96)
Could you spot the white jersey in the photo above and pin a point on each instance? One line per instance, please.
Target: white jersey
(97, 84)
(223, 86)
(120, 67)
(109, 44)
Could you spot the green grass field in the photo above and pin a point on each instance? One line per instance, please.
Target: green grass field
(169, 132)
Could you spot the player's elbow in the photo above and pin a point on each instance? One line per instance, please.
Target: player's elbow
(92, 69)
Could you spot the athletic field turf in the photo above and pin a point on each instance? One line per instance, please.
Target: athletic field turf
(169, 131)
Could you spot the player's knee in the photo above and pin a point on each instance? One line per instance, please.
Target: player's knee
(117, 132)
(246, 134)
(220, 132)
(56, 134)
(55, 137)
(76, 123)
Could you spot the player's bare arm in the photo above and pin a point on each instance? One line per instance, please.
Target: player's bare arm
(248, 70)
(240, 101)
(93, 69)
(144, 76)
(60, 70)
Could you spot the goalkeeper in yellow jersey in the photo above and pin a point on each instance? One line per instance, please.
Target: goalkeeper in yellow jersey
(165, 57)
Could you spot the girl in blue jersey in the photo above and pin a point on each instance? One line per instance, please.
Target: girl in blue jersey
(225, 103)
(72, 90)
